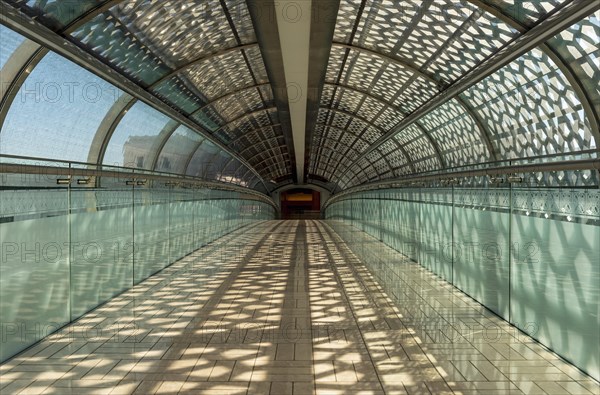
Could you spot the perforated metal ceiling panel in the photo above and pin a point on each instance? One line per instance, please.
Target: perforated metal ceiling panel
(389, 60)
(391, 57)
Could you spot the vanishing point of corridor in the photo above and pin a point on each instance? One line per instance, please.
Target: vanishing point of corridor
(286, 307)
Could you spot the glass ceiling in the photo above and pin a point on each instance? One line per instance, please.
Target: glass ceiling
(388, 57)
(203, 60)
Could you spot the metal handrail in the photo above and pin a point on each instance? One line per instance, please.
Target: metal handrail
(485, 169)
(82, 169)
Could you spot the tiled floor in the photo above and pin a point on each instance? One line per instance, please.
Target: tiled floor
(287, 309)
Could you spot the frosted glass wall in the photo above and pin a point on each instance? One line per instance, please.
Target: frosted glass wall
(35, 284)
(530, 255)
(480, 246)
(555, 264)
(69, 248)
(101, 258)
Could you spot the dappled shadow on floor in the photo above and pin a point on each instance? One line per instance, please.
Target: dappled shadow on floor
(288, 309)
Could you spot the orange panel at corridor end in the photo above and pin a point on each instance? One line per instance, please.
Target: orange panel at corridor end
(300, 204)
(299, 197)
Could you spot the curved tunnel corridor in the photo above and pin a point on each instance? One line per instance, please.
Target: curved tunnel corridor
(300, 196)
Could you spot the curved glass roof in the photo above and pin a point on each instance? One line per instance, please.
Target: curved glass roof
(57, 110)
(202, 60)
(388, 60)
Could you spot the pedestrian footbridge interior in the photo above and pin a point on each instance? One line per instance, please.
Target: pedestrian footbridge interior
(300, 196)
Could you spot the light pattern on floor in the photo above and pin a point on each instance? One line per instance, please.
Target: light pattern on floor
(287, 308)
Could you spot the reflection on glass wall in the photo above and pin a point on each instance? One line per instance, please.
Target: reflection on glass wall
(177, 151)
(202, 161)
(132, 142)
(67, 248)
(529, 254)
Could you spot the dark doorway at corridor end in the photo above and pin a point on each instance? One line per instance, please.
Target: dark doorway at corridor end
(300, 203)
